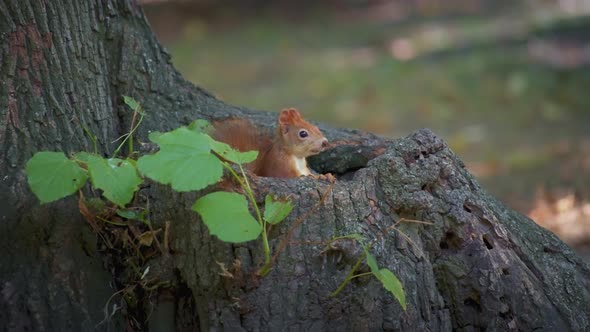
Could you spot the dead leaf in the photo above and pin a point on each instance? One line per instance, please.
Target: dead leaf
(147, 238)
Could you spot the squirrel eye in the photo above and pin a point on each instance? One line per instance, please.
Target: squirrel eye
(303, 133)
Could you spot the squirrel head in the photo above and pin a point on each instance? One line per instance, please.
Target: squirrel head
(300, 137)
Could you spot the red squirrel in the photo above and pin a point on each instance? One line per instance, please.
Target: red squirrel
(282, 155)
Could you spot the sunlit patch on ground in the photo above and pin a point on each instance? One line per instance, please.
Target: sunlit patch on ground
(566, 215)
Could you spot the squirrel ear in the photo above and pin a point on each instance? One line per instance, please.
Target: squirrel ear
(285, 116)
(294, 113)
(285, 119)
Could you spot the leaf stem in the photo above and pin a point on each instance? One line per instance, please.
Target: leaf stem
(246, 185)
(350, 275)
(361, 275)
(130, 142)
(129, 135)
(111, 222)
(92, 138)
(233, 173)
(260, 219)
(250, 193)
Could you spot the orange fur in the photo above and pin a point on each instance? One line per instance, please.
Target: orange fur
(282, 155)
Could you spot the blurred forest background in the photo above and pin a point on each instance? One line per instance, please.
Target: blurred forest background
(505, 83)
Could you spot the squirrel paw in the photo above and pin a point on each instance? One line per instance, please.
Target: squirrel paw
(327, 177)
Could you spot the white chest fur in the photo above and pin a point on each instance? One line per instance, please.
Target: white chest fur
(301, 166)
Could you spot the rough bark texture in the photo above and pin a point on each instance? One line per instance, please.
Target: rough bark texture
(65, 65)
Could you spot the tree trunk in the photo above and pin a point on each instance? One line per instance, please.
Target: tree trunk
(64, 67)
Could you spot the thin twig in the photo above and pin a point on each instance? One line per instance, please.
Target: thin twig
(414, 221)
(410, 241)
(167, 237)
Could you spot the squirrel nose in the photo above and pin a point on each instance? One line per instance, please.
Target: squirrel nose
(325, 143)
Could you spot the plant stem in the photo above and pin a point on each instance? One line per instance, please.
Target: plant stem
(361, 275)
(260, 219)
(246, 185)
(349, 276)
(129, 135)
(111, 222)
(92, 138)
(130, 141)
(233, 173)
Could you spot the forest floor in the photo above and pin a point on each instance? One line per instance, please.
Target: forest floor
(508, 89)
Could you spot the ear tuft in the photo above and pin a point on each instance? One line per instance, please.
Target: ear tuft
(294, 113)
(285, 117)
(289, 115)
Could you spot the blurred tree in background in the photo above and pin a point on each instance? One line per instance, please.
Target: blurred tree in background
(505, 82)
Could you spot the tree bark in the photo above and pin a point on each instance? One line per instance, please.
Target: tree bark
(64, 67)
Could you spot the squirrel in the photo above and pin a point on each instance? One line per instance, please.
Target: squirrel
(282, 155)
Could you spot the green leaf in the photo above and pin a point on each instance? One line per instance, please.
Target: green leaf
(227, 217)
(128, 214)
(275, 210)
(387, 279)
(230, 154)
(83, 156)
(372, 262)
(95, 205)
(135, 214)
(117, 178)
(222, 149)
(184, 161)
(155, 136)
(51, 176)
(132, 103)
(393, 285)
(201, 126)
